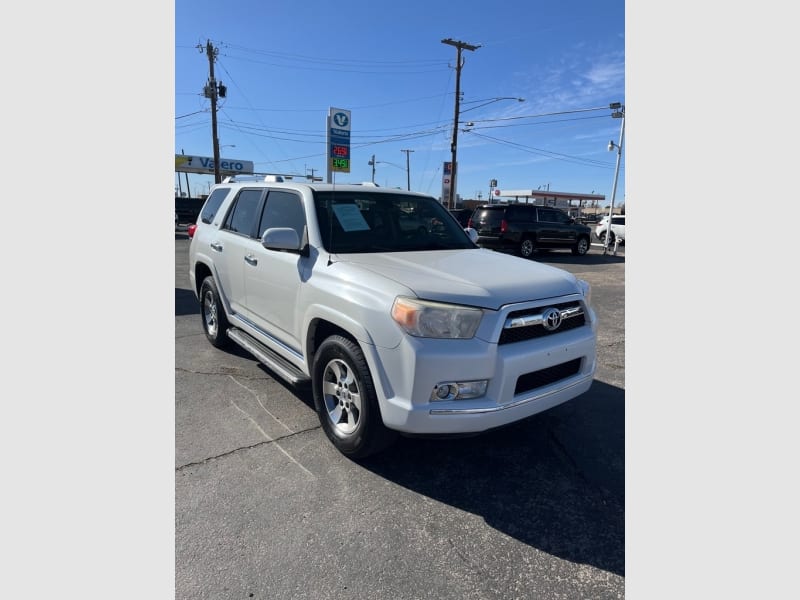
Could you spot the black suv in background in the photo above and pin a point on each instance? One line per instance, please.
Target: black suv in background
(462, 215)
(526, 228)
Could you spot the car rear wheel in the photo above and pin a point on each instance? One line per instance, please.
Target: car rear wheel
(215, 321)
(345, 399)
(526, 248)
(581, 247)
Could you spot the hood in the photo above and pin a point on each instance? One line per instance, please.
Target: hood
(474, 277)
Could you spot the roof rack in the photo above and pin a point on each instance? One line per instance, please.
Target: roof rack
(237, 178)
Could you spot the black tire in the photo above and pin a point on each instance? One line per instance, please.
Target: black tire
(212, 312)
(527, 247)
(345, 399)
(602, 236)
(611, 238)
(581, 247)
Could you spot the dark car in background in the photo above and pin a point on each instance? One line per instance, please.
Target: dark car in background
(187, 209)
(462, 215)
(527, 228)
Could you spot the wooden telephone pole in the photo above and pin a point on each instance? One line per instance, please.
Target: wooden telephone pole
(454, 144)
(213, 90)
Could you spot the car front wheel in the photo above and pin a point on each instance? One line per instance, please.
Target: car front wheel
(345, 399)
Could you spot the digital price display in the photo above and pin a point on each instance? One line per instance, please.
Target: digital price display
(341, 163)
(340, 151)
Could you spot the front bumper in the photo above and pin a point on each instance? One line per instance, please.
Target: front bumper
(525, 378)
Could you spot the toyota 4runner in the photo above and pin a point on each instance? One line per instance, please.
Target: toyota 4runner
(398, 329)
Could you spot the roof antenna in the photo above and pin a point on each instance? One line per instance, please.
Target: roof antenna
(330, 219)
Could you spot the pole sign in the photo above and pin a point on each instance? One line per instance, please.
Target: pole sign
(447, 182)
(338, 141)
(205, 165)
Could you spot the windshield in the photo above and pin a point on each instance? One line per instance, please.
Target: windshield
(380, 222)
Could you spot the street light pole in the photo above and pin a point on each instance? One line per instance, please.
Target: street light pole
(487, 101)
(454, 144)
(619, 113)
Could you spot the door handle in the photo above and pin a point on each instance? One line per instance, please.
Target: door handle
(216, 246)
(251, 260)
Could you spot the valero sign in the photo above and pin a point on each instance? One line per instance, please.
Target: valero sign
(203, 164)
(339, 127)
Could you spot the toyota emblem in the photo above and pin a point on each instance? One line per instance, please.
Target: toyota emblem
(551, 319)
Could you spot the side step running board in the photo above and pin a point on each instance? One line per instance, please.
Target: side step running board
(277, 363)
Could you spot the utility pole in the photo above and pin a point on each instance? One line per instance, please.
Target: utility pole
(372, 162)
(213, 90)
(454, 144)
(188, 191)
(408, 170)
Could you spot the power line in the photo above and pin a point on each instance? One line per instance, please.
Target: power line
(548, 153)
(552, 114)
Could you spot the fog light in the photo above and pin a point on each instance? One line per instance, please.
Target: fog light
(458, 390)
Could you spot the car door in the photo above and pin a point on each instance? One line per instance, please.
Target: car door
(234, 243)
(547, 230)
(618, 226)
(556, 228)
(273, 279)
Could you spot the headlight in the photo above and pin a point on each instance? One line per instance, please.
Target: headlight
(421, 318)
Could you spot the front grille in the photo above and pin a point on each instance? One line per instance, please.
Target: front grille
(537, 379)
(521, 334)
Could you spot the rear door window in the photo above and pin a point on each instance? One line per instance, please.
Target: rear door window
(244, 212)
(553, 216)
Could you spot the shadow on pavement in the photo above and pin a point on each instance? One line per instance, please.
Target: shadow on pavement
(555, 481)
(593, 257)
(186, 303)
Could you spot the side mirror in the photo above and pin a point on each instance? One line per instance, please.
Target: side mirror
(281, 238)
(472, 234)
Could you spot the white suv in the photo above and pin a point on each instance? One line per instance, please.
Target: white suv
(398, 330)
(617, 229)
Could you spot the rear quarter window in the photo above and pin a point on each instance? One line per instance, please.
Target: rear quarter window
(212, 205)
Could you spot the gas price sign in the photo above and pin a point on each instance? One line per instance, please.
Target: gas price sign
(339, 140)
(340, 151)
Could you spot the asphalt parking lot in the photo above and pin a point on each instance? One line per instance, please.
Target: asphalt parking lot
(265, 507)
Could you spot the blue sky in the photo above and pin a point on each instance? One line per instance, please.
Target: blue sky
(284, 67)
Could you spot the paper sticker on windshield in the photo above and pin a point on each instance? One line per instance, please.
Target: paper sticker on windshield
(349, 217)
